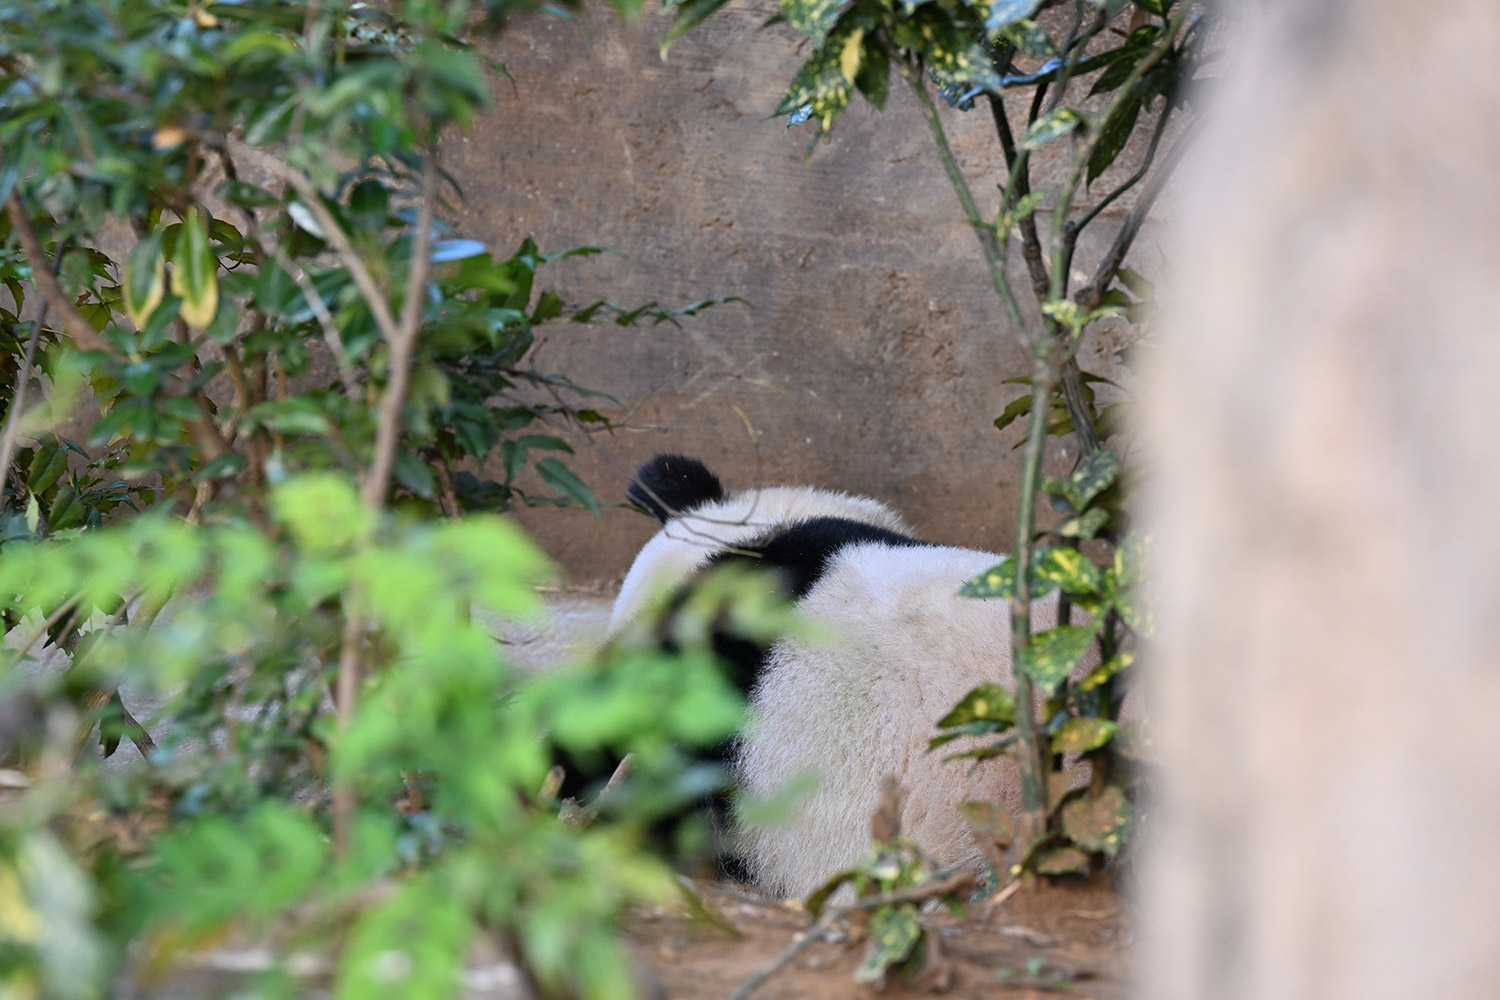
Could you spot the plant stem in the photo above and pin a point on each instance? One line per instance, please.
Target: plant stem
(400, 342)
(1033, 819)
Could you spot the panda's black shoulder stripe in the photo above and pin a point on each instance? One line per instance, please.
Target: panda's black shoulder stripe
(801, 550)
(669, 485)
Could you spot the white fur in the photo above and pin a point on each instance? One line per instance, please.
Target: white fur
(898, 649)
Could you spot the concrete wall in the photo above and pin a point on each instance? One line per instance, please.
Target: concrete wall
(1326, 826)
(872, 354)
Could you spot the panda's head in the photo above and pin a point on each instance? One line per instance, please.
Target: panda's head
(701, 522)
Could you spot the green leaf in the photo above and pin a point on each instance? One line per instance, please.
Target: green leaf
(874, 76)
(143, 284)
(1083, 734)
(1068, 568)
(195, 272)
(295, 415)
(1113, 135)
(1098, 822)
(413, 473)
(560, 478)
(894, 933)
(1017, 408)
(1050, 656)
(987, 701)
(1051, 126)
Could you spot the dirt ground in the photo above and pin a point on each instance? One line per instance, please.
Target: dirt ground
(1068, 938)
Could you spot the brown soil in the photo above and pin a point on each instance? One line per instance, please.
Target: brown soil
(1067, 938)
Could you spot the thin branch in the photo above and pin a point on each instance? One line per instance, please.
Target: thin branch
(989, 241)
(1061, 261)
(1020, 184)
(401, 344)
(400, 341)
(74, 324)
(23, 379)
(1091, 295)
(1148, 158)
(380, 308)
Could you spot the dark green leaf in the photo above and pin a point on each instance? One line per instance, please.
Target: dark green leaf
(413, 473)
(1113, 135)
(819, 896)
(560, 478)
(1017, 408)
(1000, 581)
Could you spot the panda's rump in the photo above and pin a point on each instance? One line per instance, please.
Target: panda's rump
(899, 648)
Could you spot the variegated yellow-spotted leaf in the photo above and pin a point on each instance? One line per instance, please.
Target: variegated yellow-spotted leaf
(813, 18)
(1098, 822)
(1050, 656)
(1083, 734)
(1068, 568)
(1051, 126)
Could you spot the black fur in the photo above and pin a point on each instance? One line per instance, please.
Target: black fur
(799, 553)
(669, 485)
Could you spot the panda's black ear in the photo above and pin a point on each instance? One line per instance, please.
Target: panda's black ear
(669, 485)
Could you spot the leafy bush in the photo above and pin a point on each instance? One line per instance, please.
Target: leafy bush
(222, 224)
(1095, 79)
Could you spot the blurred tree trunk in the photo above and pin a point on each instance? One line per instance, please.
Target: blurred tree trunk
(1329, 518)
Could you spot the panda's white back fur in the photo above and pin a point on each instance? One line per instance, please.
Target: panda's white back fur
(897, 648)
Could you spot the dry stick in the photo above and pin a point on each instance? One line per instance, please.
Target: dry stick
(400, 341)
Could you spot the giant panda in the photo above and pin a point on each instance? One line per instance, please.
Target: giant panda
(896, 647)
